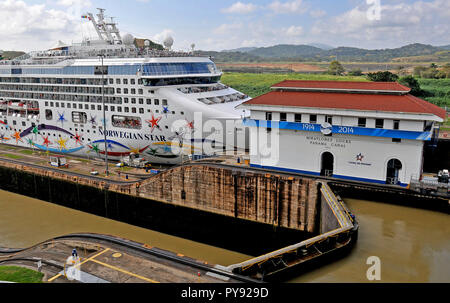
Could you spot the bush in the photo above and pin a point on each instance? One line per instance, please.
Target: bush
(382, 77)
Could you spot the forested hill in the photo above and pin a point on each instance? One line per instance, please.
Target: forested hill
(285, 52)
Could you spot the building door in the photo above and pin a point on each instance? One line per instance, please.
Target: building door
(327, 167)
(394, 167)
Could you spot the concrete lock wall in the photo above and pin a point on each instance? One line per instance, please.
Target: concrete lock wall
(244, 220)
(281, 201)
(328, 220)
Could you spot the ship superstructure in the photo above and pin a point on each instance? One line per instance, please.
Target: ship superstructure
(53, 100)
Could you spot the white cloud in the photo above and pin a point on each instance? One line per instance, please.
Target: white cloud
(225, 29)
(80, 3)
(30, 27)
(240, 8)
(400, 23)
(163, 35)
(318, 13)
(294, 31)
(290, 7)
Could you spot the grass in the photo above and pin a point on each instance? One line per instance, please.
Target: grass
(27, 152)
(11, 156)
(255, 85)
(20, 275)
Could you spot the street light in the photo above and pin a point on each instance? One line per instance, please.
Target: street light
(102, 56)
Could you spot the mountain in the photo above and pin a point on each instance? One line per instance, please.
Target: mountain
(321, 46)
(242, 50)
(446, 47)
(286, 51)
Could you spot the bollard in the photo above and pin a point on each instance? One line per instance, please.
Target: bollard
(126, 177)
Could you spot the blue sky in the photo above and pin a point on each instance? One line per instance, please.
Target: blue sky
(227, 24)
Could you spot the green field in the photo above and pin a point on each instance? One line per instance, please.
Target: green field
(255, 85)
(19, 275)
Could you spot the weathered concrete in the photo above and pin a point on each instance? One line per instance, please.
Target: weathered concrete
(276, 200)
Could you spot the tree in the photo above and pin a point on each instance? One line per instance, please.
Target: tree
(413, 84)
(355, 72)
(418, 70)
(432, 65)
(336, 68)
(382, 77)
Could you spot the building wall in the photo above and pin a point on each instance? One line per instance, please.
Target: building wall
(302, 151)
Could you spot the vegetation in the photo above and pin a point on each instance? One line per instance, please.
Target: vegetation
(255, 85)
(413, 84)
(382, 77)
(11, 156)
(355, 72)
(336, 68)
(20, 275)
(301, 53)
(436, 91)
(432, 72)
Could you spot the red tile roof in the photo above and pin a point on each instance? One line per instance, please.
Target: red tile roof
(363, 102)
(344, 85)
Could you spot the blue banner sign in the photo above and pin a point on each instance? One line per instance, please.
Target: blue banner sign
(344, 130)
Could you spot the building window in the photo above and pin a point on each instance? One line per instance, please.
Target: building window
(313, 119)
(329, 119)
(269, 116)
(283, 117)
(298, 118)
(379, 123)
(362, 122)
(396, 124)
(397, 140)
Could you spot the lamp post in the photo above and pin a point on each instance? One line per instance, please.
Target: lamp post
(102, 56)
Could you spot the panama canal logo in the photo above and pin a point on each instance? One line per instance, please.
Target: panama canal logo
(326, 129)
(360, 157)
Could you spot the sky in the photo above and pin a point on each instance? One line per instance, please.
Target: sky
(228, 24)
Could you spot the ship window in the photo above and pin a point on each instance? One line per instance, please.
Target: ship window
(140, 81)
(69, 105)
(86, 106)
(164, 102)
(119, 91)
(48, 114)
(111, 81)
(125, 90)
(99, 107)
(127, 110)
(117, 81)
(92, 107)
(63, 105)
(298, 118)
(74, 105)
(113, 108)
(80, 106)
(141, 101)
(141, 91)
(141, 111)
(79, 117)
(182, 113)
(313, 119)
(362, 122)
(133, 82)
(23, 123)
(119, 109)
(127, 122)
(106, 107)
(133, 110)
(379, 123)
(52, 104)
(156, 102)
(133, 100)
(46, 103)
(149, 101)
(125, 100)
(133, 91)
(57, 104)
(125, 81)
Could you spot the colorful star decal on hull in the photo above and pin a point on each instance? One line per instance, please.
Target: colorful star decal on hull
(35, 130)
(190, 125)
(17, 137)
(62, 143)
(78, 139)
(3, 138)
(93, 120)
(61, 118)
(153, 123)
(46, 141)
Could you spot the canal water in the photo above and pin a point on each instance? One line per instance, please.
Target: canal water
(413, 245)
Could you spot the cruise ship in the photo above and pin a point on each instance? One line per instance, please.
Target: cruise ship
(107, 96)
